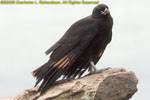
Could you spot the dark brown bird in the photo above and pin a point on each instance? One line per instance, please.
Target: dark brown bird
(79, 49)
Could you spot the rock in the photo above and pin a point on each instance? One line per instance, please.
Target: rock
(112, 84)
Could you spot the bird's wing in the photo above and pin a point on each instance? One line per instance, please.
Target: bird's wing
(72, 36)
(78, 36)
(73, 43)
(52, 48)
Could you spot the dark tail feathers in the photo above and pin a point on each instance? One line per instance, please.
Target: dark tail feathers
(48, 74)
(36, 72)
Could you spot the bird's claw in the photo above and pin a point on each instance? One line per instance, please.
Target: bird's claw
(99, 71)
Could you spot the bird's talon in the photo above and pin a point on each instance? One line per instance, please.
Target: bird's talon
(102, 70)
(99, 71)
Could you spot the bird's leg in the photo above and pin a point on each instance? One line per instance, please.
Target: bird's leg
(93, 66)
(93, 69)
(90, 70)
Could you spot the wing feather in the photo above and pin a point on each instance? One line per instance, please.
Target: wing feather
(65, 52)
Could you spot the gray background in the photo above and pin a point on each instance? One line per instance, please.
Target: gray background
(27, 31)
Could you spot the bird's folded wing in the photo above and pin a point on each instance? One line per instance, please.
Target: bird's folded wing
(72, 45)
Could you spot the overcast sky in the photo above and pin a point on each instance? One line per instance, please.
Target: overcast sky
(27, 31)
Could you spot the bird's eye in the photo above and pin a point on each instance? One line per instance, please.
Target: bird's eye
(103, 9)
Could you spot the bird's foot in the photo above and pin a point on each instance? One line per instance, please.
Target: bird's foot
(102, 70)
(99, 71)
(93, 70)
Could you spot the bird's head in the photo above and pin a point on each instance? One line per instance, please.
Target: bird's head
(100, 10)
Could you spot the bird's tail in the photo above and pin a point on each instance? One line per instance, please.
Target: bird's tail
(48, 74)
(36, 72)
(52, 70)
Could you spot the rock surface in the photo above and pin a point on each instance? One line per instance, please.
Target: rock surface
(112, 84)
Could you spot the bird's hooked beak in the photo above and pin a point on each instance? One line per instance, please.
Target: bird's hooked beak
(105, 12)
